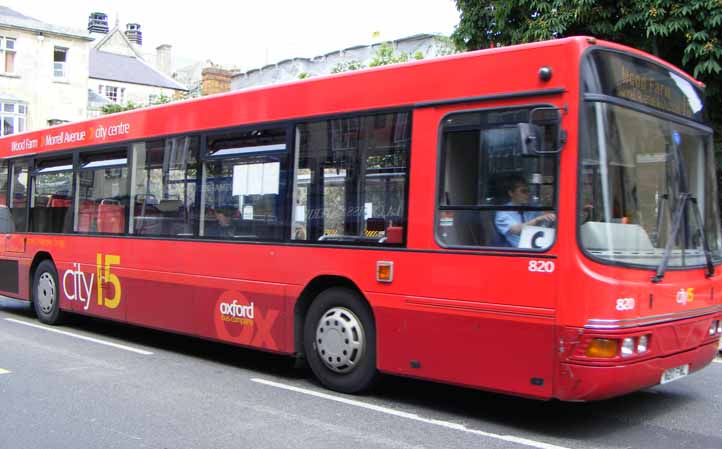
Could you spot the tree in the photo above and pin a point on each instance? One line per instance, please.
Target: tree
(346, 66)
(112, 108)
(384, 55)
(685, 33)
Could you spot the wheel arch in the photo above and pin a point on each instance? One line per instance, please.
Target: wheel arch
(39, 257)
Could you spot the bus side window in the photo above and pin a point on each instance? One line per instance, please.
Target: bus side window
(103, 191)
(244, 185)
(52, 195)
(350, 179)
(164, 187)
(493, 191)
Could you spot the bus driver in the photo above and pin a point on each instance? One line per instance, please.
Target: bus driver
(510, 223)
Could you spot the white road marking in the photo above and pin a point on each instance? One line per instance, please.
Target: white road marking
(4, 371)
(717, 361)
(81, 337)
(411, 416)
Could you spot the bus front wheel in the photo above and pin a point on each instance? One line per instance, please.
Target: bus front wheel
(45, 294)
(340, 341)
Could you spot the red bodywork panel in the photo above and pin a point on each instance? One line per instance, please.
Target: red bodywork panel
(473, 318)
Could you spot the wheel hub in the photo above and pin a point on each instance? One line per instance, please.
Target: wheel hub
(46, 293)
(340, 340)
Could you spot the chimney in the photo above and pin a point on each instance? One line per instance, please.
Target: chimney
(215, 80)
(133, 33)
(163, 59)
(97, 23)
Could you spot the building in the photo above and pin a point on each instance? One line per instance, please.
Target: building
(420, 45)
(43, 73)
(205, 78)
(118, 70)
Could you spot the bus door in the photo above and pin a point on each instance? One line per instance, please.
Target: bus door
(497, 216)
(17, 204)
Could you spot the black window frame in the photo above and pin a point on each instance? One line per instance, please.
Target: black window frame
(206, 156)
(35, 170)
(93, 152)
(441, 170)
(371, 114)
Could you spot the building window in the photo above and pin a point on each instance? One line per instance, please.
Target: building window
(7, 54)
(111, 93)
(59, 59)
(12, 117)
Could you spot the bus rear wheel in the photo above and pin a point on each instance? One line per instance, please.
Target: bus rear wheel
(340, 341)
(45, 293)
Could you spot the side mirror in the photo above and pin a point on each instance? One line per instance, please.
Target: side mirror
(530, 138)
(549, 136)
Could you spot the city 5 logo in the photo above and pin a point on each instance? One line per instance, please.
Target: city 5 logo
(79, 285)
(685, 296)
(241, 321)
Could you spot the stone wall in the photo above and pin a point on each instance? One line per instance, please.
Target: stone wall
(428, 45)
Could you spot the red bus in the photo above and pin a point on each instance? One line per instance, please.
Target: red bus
(540, 220)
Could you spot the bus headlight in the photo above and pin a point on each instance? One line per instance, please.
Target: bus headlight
(713, 328)
(643, 344)
(628, 347)
(719, 327)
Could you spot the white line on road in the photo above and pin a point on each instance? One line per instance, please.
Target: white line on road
(81, 337)
(4, 371)
(411, 416)
(717, 361)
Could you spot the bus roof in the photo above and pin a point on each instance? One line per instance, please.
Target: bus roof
(470, 75)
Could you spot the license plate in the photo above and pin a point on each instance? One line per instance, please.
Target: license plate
(674, 374)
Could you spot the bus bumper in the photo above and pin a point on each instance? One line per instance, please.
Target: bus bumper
(589, 383)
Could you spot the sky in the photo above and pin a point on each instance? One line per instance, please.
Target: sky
(249, 34)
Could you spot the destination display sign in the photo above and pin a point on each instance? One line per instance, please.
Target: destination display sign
(648, 83)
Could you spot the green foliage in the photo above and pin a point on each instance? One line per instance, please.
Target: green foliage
(386, 54)
(304, 75)
(346, 66)
(685, 33)
(161, 99)
(112, 108)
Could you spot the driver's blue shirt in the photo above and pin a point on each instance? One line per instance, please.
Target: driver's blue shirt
(505, 219)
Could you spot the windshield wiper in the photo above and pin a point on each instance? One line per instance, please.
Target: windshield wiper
(678, 214)
(684, 198)
(705, 240)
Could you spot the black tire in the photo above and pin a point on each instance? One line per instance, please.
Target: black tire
(46, 293)
(333, 361)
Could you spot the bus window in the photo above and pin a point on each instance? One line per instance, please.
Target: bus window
(244, 184)
(492, 192)
(52, 196)
(350, 179)
(103, 192)
(164, 187)
(4, 183)
(19, 194)
(6, 222)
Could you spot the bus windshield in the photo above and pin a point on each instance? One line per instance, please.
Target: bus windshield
(648, 195)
